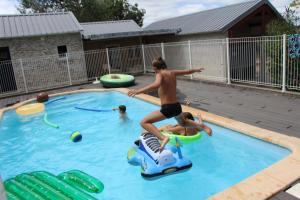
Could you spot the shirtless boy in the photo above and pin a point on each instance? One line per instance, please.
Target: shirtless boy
(165, 82)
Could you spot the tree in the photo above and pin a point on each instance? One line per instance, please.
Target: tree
(287, 25)
(295, 4)
(87, 10)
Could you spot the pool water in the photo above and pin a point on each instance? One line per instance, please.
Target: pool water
(28, 144)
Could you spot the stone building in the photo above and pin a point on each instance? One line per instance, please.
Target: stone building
(23, 37)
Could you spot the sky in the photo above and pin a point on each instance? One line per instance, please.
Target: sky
(162, 9)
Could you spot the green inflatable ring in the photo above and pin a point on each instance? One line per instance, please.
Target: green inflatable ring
(182, 138)
(117, 80)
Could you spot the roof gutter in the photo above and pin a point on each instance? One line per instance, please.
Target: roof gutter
(131, 34)
(40, 35)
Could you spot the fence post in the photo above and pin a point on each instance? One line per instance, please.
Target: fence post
(228, 61)
(23, 74)
(163, 51)
(190, 58)
(108, 63)
(68, 66)
(284, 63)
(144, 61)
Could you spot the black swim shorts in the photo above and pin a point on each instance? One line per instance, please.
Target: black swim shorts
(171, 110)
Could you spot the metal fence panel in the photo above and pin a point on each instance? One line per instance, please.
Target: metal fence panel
(151, 52)
(126, 60)
(35, 74)
(96, 63)
(77, 66)
(210, 55)
(177, 55)
(46, 73)
(256, 60)
(11, 78)
(293, 74)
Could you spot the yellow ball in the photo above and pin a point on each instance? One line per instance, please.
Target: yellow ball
(76, 136)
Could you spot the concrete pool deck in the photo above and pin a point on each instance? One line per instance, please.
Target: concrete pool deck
(262, 185)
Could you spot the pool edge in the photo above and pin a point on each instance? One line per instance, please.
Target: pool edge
(259, 186)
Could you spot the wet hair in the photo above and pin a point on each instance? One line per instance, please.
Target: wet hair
(159, 63)
(122, 108)
(188, 115)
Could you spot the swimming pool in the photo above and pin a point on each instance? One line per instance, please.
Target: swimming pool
(27, 144)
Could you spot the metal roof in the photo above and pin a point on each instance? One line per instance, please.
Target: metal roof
(131, 34)
(118, 29)
(12, 26)
(215, 20)
(109, 27)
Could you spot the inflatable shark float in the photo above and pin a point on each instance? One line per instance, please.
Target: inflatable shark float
(145, 153)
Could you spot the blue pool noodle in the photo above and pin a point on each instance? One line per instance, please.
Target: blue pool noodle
(54, 100)
(94, 110)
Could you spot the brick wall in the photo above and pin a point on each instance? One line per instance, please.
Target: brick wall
(43, 68)
(29, 47)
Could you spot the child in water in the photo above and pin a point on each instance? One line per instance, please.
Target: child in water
(122, 111)
(189, 130)
(165, 83)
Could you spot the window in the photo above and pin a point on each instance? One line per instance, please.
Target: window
(62, 51)
(4, 54)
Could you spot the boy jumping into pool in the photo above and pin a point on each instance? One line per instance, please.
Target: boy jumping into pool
(165, 82)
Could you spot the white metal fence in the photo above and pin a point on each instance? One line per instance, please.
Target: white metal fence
(126, 60)
(256, 60)
(34, 74)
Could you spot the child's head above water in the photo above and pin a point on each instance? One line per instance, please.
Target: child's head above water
(159, 64)
(181, 119)
(188, 115)
(122, 109)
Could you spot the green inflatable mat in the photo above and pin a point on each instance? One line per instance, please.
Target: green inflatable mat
(82, 181)
(43, 185)
(11, 196)
(37, 186)
(20, 190)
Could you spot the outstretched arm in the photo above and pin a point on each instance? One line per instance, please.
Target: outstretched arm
(186, 72)
(174, 129)
(199, 125)
(200, 118)
(187, 123)
(153, 86)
